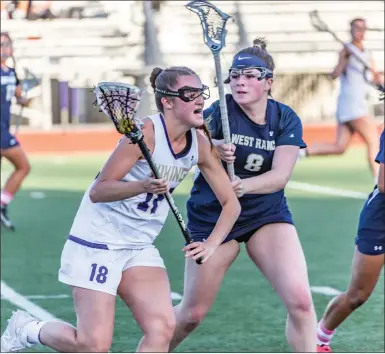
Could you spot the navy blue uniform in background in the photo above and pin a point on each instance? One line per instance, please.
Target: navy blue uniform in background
(370, 238)
(9, 81)
(255, 146)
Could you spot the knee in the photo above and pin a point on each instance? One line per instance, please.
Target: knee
(301, 302)
(93, 344)
(25, 169)
(191, 317)
(357, 298)
(340, 149)
(161, 330)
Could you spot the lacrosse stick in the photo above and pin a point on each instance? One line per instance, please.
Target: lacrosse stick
(213, 23)
(28, 87)
(30, 90)
(119, 102)
(321, 26)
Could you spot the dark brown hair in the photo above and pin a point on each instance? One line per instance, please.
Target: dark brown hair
(166, 80)
(353, 22)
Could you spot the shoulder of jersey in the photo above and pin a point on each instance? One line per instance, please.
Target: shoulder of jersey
(285, 109)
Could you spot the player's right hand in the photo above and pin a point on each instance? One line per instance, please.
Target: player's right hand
(226, 151)
(238, 187)
(202, 250)
(156, 186)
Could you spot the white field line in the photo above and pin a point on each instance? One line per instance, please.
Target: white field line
(325, 290)
(313, 188)
(176, 296)
(44, 297)
(22, 302)
(9, 294)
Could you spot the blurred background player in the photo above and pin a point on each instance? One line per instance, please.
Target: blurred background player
(110, 247)
(266, 137)
(352, 105)
(10, 147)
(368, 260)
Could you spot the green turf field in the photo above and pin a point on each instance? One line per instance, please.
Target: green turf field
(247, 315)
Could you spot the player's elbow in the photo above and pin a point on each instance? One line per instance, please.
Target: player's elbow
(282, 180)
(233, 204)
(334, 74)
(94, 194)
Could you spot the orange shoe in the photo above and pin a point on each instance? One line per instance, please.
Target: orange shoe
(324, 348)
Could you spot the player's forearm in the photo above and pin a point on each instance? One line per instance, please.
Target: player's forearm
(269, 182)
(336, 72)
(226, 221)
(112, 191)
(22, 101)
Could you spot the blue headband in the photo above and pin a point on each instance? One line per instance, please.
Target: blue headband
(244, 60)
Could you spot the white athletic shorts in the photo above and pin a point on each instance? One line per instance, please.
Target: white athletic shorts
(350, 109)
(101, 269)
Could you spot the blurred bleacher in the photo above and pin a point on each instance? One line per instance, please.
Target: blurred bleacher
(82, 52)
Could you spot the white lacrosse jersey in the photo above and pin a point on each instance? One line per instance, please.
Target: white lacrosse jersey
(135, 222)
(352, 101)
(354, 83)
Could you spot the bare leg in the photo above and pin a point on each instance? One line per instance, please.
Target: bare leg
(365, 273)
(277, 252)
(344, 135)
(201, 285)
(18, 158)
(146, 291)
(95, 312)
(367, 129)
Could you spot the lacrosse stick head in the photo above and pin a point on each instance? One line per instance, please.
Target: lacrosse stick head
(316, 22)
(213, 23)
(119, 102)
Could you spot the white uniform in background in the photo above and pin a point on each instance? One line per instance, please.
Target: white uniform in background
(354, 88)
(107, 238)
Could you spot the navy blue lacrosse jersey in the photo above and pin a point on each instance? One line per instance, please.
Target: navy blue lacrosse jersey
(381, 153)
(255, 146)
(370, 238)
(9, 81)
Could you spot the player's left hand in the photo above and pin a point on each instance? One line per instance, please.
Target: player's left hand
(238, 187)
(197, 250)
(226, 151)
(24, 101)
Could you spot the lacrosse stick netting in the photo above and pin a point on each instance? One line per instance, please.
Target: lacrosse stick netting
(119, 102)
(213, 23)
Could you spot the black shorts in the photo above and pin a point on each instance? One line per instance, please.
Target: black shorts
(242, 234)
(8, 140)
(370, 239)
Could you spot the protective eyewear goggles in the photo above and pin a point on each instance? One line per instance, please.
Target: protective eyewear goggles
(186, 93)
(256, 72)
